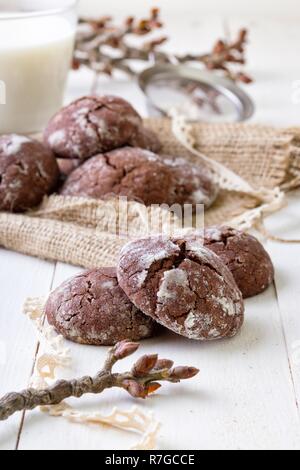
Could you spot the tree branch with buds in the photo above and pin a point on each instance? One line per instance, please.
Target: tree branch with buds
(104, 47)
(143, 380)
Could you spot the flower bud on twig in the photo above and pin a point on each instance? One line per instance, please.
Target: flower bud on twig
(182, 373)
(94, 35)
(153, 387)
(125, 349)
(144, 365)
(135, 389)
(163, 364)
(142, 381)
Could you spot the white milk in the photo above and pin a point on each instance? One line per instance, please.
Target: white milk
(35, 56)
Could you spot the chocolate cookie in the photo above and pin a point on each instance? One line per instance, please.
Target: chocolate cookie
(28, 171)
(67, 166)
(146, 139)
(183, 286)
(135, 173)
(140, 175)
(91, 125)
(92, 309)
(244, 255)
(194, 184)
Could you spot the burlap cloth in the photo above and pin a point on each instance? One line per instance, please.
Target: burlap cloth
(83, 231)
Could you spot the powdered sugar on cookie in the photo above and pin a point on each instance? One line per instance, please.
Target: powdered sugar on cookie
(14, 144)
(185, 287)
(171, 280)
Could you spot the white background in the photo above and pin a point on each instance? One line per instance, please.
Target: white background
(227, 8)
(223, 8)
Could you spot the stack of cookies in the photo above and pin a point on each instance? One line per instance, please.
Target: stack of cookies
(112, 153)
(97, 147)
(192, 285)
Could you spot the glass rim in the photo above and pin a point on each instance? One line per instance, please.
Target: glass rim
(70, 5)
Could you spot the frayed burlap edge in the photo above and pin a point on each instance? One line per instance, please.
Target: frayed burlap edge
(83, 232)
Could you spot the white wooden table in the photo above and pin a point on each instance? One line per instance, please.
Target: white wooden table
(248, 392)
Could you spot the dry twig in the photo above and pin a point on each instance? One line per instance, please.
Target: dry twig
(141, 381)
(104, 47)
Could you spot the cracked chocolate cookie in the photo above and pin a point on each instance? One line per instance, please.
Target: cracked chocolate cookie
(183, 286)
(142, 176)
(92, 125)
(28, 171)
(244, 255)
(67, 166)
(194, 184)
(92, 309)
(146, 139)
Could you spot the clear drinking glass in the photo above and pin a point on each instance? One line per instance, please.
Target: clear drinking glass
(36, 47)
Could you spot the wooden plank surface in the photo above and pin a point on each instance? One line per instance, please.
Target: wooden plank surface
(286, 256)
(244, 398)
(20, 277)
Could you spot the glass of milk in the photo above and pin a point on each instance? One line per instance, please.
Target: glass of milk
(36, 47)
